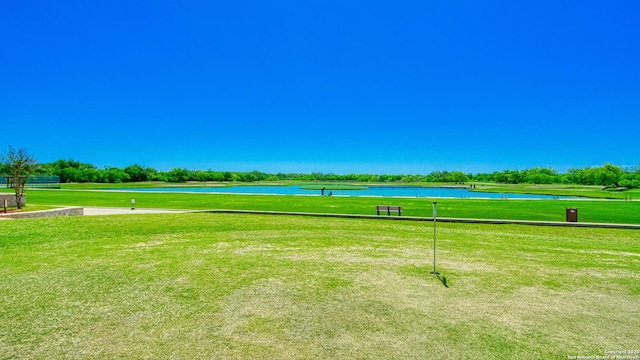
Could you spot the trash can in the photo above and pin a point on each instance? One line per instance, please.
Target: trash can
(572, 215)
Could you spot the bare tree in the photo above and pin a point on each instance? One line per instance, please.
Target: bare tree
(20, 164)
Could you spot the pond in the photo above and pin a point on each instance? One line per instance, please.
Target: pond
(370, 191)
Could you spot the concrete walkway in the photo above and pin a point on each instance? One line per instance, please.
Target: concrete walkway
(88, 211)
(95, 211)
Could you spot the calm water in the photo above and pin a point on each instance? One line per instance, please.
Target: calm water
(372, 191)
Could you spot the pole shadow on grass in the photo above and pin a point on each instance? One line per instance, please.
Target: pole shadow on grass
(443, 279)
(424, 273)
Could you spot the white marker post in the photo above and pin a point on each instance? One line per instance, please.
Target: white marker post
(133, 204)
(435, 215)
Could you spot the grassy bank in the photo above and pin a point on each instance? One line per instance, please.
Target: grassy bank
(627, 212)
(329, 187)
(597, 192)
(248, 286)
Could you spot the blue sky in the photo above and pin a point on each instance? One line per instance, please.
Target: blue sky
(331, 86)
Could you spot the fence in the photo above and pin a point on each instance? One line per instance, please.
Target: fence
(34, 182)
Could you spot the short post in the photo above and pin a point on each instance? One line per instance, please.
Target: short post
(133, 204)
(435, 215)
(5, 205)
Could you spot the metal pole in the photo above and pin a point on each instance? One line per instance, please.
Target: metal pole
(435, 215)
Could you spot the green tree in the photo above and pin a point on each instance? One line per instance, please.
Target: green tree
(136, 173)
(116, 175)
(178, 175)
(19, 164)
(459, 177)
(500, 177)
(608, 175)
(69, 174)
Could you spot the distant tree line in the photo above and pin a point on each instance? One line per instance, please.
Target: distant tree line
(608, 175)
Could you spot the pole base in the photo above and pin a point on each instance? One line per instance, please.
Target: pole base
(434, 273)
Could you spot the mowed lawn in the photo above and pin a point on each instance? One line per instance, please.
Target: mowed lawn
(602, 211)
(240, 286)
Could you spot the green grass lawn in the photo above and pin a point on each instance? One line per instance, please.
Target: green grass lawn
(615, 211)
(283, 287)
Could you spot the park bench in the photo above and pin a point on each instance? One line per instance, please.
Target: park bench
(389, 209)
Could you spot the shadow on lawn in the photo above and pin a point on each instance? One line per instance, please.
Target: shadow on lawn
(443, 280)
(424, 273)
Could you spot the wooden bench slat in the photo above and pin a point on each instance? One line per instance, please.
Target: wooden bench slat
(389, 209)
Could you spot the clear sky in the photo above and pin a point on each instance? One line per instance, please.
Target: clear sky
(323, 85)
